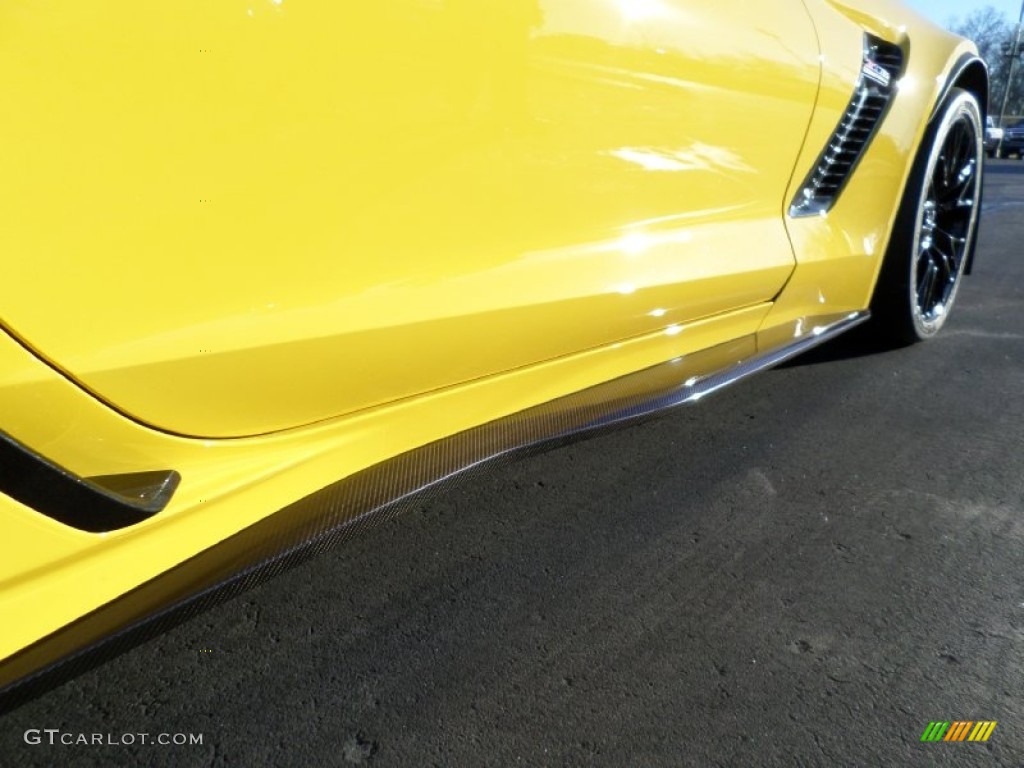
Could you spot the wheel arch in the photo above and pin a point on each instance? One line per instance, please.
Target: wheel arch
(969, 73)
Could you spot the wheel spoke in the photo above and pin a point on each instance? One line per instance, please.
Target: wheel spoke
(963, 182)
(967, 183)
(926, 284)
(947, 251)
(955, 241)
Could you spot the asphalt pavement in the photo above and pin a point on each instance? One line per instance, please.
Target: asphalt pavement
(804, 570)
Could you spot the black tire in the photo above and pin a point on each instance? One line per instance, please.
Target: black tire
(935, 228)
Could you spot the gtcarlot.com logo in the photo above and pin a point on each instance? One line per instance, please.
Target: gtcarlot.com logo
(55, 736)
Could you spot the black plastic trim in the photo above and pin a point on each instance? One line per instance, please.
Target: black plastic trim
(93, 504)
(965, 61)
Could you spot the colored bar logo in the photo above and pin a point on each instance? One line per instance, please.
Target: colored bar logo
(959, 730)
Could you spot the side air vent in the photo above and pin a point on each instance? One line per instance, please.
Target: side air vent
(880, 71)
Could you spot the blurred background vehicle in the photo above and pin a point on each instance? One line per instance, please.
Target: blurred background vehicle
(1013, 141)
(993, 135)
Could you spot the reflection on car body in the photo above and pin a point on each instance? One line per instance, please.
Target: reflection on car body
(273, 267)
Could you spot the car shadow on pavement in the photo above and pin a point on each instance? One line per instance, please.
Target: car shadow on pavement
(862, 341)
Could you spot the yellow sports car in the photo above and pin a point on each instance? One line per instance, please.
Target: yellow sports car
(271, 266)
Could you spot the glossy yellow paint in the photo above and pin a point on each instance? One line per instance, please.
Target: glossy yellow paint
(239, 217)
(359, 230)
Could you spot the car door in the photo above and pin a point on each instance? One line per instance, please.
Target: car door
(234, 218)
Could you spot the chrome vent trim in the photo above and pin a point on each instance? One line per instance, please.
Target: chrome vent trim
(881, 69)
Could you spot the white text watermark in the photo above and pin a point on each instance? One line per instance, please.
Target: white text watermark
(54, 736)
